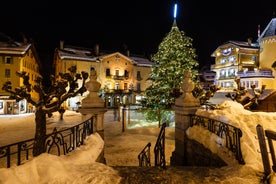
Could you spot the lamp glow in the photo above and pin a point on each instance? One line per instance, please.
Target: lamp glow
(175, 11)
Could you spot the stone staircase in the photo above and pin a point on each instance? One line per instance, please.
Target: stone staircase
(156, 175)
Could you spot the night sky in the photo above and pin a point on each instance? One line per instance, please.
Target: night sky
(140, 25)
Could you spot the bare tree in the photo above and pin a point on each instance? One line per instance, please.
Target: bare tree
(48, 102)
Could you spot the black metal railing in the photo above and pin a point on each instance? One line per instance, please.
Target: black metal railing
(159, 148)
(230, 134)
(144, 156)
(63, 141)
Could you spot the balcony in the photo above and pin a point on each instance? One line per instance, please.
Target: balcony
(223, 77)
(256, 74)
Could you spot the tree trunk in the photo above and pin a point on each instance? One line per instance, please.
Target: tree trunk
(40, 132)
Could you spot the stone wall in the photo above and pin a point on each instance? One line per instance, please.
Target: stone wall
(198, 155)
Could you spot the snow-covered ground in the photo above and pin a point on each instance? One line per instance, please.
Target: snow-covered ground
(122, 148)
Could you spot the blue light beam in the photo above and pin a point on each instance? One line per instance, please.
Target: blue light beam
(175, 11)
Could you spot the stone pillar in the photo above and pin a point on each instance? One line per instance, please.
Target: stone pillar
(93, 104)
(185, 105)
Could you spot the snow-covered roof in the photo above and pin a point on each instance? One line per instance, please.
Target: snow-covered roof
(142, 61)
(238, 44)
(86, 54)
(9, 46)
(77, 54)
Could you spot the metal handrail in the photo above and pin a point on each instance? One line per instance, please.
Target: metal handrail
(57, 142)
(229, 133)
(144, 156)
(159, 148)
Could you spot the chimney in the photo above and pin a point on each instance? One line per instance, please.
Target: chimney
(249, 41)
(97, 49)
(127, 53)
(25, 39)
(259, 31)
(61, 44)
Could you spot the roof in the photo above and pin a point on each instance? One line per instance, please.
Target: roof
(86, 54)
(238, 44)
(77, 54)
(9, 46)
(142, 61)
(270, 30)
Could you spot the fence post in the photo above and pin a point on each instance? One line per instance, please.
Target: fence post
(184, 106)
(263, 149)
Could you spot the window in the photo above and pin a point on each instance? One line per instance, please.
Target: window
(7, 60)
(138, 87)
(138, 75)
(92, 68)
(7, 73)
(107, 72)
(232, 59)
(222, 60)
(117, 72)
(116, 86)
(125, 86)
(126, 73)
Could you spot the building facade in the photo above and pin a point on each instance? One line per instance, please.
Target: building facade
(251, 62)
(123, 77)
(17, 56)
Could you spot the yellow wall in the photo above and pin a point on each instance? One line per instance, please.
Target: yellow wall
(267, 52)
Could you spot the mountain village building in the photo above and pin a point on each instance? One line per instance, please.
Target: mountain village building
(16, 56)
(254, 63)
(251, 61)
(123, 77)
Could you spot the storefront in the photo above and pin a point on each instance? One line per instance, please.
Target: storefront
(10, 106)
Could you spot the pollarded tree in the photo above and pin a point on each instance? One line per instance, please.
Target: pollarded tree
(49, 101)
(174, 56)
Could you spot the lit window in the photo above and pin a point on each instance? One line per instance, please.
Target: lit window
(232, 58)
(222, 60)
(116, 85)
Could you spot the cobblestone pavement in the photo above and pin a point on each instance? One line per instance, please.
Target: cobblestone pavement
(170, 175)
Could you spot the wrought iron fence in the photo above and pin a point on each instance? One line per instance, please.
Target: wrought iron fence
(58, 142)
(229, 133)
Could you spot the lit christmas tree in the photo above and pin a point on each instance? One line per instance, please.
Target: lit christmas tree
(174, 56)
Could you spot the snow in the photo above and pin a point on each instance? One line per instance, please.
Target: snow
(122, 148)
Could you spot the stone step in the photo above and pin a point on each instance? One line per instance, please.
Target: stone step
(156, 175)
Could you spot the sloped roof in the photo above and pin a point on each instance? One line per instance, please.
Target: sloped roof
(77, 54)
(270, 30)
(9, 46)
(142, 61)
(86, 54)
(238, 44)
